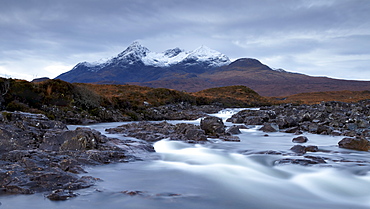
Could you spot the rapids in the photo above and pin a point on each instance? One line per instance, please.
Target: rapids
(222, 175)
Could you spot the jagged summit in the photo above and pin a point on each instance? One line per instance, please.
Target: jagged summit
(205, 54)
(138, 53)
(134, 52)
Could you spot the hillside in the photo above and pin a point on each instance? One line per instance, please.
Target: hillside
(318, 97)
(260, 78)
(86, 103)
(243, 95)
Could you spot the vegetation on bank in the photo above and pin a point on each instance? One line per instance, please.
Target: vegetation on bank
(318, 97)
(59, 99)
(234, 96)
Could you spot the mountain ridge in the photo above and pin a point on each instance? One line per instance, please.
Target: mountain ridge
(200, 69)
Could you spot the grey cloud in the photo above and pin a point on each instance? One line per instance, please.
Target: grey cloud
(66, 31)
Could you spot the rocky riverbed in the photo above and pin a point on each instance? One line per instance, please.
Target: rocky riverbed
(327, 118)
(41, 155)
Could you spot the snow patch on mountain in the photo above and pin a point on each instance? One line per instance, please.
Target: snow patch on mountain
(136, 53)
(205, 54)
(164, 59)
(175, 56)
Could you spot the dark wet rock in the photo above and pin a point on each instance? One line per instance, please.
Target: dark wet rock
(327, 118)
(300, 139)
(298, 132)
(213, 126)
(270, 127)
(299, 149)
(356, 143)
(308, 160)
(195, 135)
(38, 154)
(292, 130)
(79, 139)
(78, 116)
(230, 138)
(233, 130)
(61, 194)
(20, 130)
(15, 189)
(336, 133)
(312, 148)
(146, 194)
(242, 126)
(269, 152)
(133, 193)
(181, 111)
(247, 116)
(253, 120)
(153, 132)
(286, 122)
(144, 130)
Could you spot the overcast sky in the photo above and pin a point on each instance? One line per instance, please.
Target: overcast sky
(320, 37)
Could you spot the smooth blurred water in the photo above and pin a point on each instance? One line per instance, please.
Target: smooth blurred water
(222, 175)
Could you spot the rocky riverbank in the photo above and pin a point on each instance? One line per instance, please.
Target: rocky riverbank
(327, 118)
(42, 155)
(210, 127)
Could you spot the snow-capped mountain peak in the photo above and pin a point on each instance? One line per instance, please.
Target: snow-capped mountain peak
(134, 53)
(205, 54)
(204, 51)
(138, 53)
(135, 48)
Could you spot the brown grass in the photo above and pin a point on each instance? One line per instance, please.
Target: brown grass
(317, 97)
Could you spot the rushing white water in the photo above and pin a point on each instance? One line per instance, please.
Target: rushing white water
(256, 182)
(223, 175)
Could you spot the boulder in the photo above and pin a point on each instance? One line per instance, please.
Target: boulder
(309, 160)
(355, 143)
(299, 149)
(233, 130)
(312, 148)
(195, 135)
(300, 139)
(213, 126)
(61, 194)
(79, 139)
(253, 120)
(270, 127)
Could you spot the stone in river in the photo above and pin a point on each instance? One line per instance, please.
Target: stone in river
(355, 143)
(300, 139)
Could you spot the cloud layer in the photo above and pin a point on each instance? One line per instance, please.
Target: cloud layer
(45, 38)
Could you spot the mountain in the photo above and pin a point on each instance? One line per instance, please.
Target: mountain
(138, 64)
(200, 69)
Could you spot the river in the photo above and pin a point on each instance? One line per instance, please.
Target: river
(223, 175)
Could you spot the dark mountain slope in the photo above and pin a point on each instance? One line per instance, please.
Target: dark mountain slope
(261, 78)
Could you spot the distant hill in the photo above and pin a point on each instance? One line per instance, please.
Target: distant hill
(318, 97)
(201, 69)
